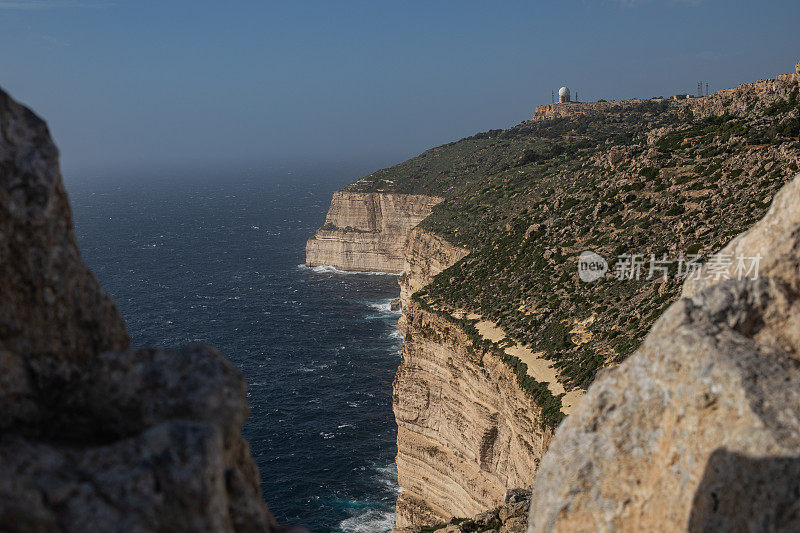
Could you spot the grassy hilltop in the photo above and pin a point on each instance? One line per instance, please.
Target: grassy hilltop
(642, 177)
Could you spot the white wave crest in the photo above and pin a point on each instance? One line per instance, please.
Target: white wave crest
(325, 269)
(371, 521)
(387, 477)
(384, 307)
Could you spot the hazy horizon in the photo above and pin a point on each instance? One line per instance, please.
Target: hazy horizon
(145, 88)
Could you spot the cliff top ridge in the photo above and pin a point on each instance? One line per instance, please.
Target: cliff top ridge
(642, 178)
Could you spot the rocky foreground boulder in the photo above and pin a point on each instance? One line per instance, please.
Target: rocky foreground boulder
(93, 437)
(699, 430)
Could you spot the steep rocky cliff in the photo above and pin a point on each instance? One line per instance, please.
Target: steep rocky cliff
(501, 342)
(467, 432)
(92, 437)
(366, 231)
(425, 255)
(698, 430)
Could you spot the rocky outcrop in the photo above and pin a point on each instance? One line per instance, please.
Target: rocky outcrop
(92, 437)
(143, 440)
(467, 433)
(698, 430)
(744, 99)
(425, 255)
(367, 231)
(51, 305)
(571, 109)
(510, 517)
(738, 101)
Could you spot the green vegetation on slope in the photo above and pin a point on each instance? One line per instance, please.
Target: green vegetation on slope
(642, 178)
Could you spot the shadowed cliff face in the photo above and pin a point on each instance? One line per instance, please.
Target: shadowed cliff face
(51, 306)
(93, 438)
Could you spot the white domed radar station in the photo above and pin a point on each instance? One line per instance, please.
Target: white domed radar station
(563, 95)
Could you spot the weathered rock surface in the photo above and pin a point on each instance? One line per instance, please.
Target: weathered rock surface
(510, 517)
(51, 305)
(367, 231)
(93, 438)
(698, 430)
(467, 432)
(425, 255)
(143, 440)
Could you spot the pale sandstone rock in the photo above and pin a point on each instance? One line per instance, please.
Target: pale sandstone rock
(367, 231)
(698, 430)
(425, 255)
(467, 432)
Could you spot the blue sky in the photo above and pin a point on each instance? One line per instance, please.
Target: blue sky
(143, 86)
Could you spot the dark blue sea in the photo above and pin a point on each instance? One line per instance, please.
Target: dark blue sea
(219, 261)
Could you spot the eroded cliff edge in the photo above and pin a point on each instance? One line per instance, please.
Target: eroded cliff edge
(366, 231)
(467, 433)
(93, 436)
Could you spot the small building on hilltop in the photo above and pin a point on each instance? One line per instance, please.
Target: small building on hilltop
(563, 95)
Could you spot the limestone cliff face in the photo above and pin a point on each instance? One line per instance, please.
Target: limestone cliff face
(467, 433)
(510, 517)
(366, 231)
(425, 255)
(571, 109)
(94, 437)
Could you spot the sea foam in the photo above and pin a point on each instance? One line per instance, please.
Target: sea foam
(325, 269)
